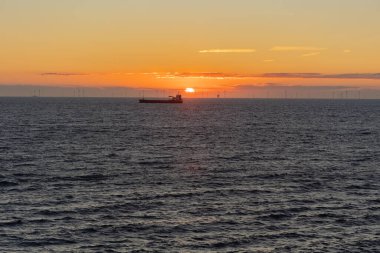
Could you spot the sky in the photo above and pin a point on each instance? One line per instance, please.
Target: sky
(236, 48)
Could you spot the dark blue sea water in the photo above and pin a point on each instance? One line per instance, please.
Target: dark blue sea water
(112, 175)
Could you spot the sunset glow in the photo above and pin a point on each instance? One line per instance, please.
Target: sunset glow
(160, 45)
(189, 90)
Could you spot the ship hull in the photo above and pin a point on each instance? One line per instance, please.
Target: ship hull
(155, 101)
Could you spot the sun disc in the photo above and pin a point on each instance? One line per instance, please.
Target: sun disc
(189, 90)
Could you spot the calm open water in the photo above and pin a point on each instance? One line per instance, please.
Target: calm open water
(112, 175)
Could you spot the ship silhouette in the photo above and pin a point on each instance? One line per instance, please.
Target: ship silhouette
(172, 100)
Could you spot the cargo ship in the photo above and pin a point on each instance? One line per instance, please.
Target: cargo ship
(172, 100)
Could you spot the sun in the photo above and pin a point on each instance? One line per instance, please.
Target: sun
(189, 90)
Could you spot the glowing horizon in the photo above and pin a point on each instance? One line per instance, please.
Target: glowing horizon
(169, 44)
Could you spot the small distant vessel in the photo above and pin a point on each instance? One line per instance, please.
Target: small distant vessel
(173, 100)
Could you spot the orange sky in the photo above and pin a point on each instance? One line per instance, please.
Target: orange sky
(208, 45)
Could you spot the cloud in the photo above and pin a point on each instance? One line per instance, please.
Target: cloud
(222, 76)
(311, 54)
(62, 74)
(292, 75)
(201, 75)
(291, 48)
(221, 51)
(373, 76)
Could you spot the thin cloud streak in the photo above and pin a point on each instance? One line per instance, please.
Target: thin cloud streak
(201, 75)
(62, 74)
(311, 54)
(221, 76)
(291, 48)
(373, 76)
(221, 51)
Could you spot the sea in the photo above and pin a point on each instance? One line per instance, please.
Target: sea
(209, 175)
